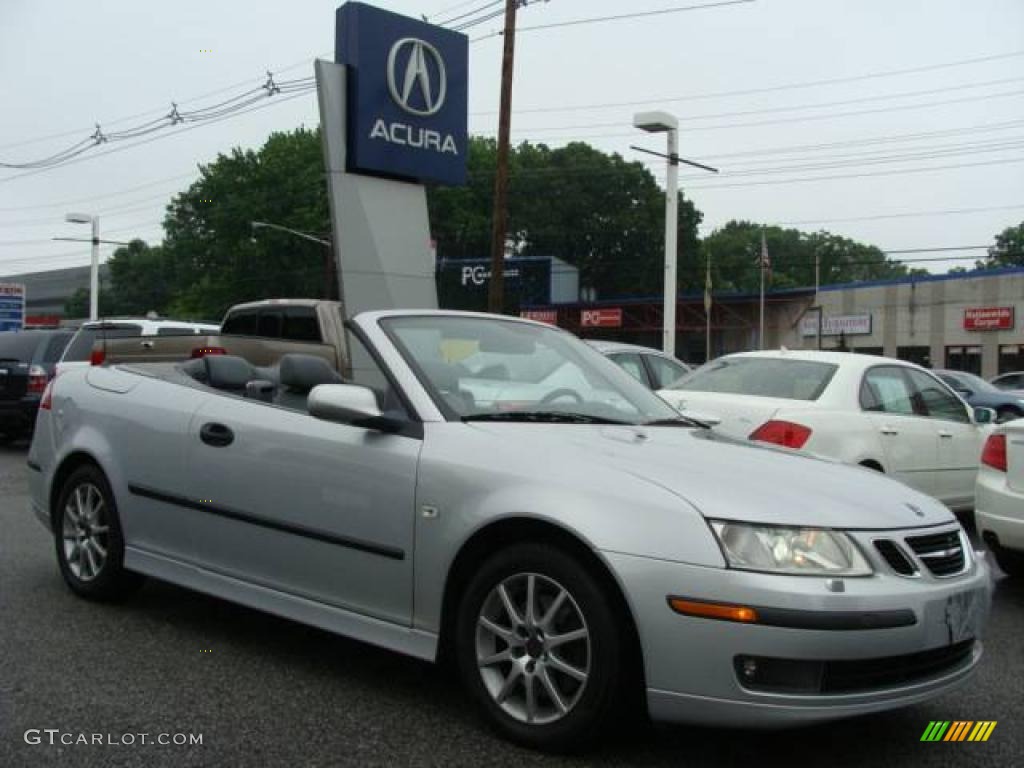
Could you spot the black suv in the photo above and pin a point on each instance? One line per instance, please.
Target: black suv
(27, 363)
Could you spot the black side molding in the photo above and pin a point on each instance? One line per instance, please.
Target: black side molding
(33, 466)
(392, 553)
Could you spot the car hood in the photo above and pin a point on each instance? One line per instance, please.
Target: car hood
(732, 479)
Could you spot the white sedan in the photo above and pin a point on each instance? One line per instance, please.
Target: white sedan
(1000, 493)
(881, 413)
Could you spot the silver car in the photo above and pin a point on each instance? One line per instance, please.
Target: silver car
(579, 548)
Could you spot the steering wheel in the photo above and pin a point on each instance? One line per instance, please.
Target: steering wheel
(555, 394)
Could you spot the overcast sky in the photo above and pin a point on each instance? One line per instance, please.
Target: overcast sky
(727, 72)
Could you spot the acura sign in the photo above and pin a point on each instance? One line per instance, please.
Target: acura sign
(407, 95)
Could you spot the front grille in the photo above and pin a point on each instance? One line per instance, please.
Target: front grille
(942, 553)
(888, 671)
(894, 556)
(776, 675)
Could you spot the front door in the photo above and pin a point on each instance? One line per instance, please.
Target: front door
(313, 508)
(908, 437)
(959, 440)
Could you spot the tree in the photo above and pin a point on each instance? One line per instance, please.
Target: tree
(210, 258)
(1008, 250)
(596, 211)
(736, 246)
(135, 284)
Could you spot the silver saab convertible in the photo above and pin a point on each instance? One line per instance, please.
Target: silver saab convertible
(495, 491)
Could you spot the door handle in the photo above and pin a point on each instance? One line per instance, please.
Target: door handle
(887, 430)
(147, 344)
(216, 434)
(944, 433)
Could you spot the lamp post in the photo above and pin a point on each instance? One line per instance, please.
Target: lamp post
(94, 272)
(663, 122)
(329, 280)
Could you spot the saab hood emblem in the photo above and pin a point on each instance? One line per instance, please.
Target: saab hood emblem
(422, 84)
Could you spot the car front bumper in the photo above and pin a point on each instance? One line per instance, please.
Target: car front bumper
(693, 665)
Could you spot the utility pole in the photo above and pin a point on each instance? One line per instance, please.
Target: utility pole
(496, 290)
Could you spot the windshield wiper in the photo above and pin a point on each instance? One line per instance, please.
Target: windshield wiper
(677, 421)
(543, 417)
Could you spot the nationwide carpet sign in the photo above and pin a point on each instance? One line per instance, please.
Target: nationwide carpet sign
(988, 319)
(406, 95)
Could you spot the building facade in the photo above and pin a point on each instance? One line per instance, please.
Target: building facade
(971, 321)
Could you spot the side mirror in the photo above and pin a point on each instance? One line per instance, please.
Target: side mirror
(966, 394)
(349, 404)
(984, 415)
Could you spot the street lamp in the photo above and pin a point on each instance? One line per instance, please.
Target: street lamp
(94, 273)
(329, 279)
(663, 122)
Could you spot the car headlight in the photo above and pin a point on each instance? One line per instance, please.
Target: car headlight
(779, 549)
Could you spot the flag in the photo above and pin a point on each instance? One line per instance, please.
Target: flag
(707, 288)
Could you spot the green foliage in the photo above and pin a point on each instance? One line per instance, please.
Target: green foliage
(736, 247)
(1008, 250)
(594, 210)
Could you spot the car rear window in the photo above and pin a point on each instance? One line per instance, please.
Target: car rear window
(19, 345)
(55, 347)
(761, 377)
(80, 347)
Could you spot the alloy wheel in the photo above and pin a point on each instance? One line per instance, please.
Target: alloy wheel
(533, 648)
(86, 532)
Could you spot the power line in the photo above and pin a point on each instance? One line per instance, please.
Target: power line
(619, 17)
(281, 100)
(93, 198)
(906, 215)
(771, 88)
(485, 6)
(795, 107)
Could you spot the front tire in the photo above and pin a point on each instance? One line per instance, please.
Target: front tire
(541, 648)
(88, 538)
(1010, 562)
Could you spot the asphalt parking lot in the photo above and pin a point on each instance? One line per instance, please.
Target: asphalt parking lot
(265, 691)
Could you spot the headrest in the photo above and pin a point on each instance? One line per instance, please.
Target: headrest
(301, 373)
(228, 372)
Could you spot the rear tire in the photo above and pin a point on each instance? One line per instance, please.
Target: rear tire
(88, 538)
(534, 684)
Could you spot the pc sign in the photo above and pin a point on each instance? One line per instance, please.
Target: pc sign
(12, 307)
(406, 95)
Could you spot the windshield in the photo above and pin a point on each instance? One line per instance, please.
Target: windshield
(482, 368)
(761, 377)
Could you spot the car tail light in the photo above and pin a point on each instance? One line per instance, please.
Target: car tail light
(994, 453)
(97, 356)
(204, 351)
(37, 379)
(47, 401)
(784, 433)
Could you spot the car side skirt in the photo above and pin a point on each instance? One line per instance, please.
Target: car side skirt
(413, 642)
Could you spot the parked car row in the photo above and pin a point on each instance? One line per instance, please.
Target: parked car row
(495, 490)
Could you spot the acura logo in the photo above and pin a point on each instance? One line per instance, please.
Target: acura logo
(422, 84)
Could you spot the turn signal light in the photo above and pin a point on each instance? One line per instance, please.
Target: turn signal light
(994, 453)
(784, 433)
(97, 356)
(204, 351)
(726, 611)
